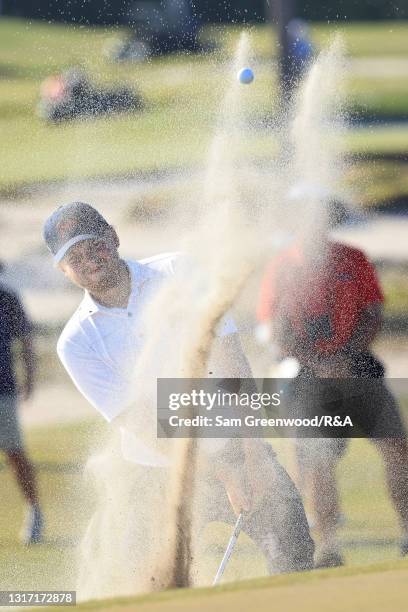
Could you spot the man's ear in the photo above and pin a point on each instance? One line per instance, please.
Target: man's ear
(60, 266)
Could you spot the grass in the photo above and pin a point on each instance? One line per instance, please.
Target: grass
(395, 287)
(379, 96)
(374, 182)
(60, 452)
(330, 590)
(182, 94)
(379, 39)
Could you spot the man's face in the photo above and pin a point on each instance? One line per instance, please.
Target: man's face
(93, 264)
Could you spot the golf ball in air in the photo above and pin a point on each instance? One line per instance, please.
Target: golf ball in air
(245, 76)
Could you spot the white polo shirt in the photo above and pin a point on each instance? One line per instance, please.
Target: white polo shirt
(99, 346)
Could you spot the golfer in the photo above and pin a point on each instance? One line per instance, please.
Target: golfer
(323, 303)
(99, 348)
(16, 328)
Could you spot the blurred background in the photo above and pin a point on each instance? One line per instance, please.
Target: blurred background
(114, 103)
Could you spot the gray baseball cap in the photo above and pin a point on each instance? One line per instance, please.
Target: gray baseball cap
(70, 224)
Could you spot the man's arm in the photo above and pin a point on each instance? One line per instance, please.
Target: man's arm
(371, 304)
(104, 388)
(22, 334)
(242, 481)
(368, 326)
(339, 364)
(227, 358)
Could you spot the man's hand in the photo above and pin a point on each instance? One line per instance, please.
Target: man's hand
(259, 476)
(237, 496)
(247, 484)
(236, 489)
(335, 366)
(368, 326)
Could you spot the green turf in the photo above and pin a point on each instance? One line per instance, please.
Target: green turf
(206, 598)
(59, 453)
(182, 94)
(395, 287)
(372, 183)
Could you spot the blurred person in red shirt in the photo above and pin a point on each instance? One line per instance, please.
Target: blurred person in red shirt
(323, 304)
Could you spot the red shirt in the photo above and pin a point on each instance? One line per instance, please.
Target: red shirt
(322, 300)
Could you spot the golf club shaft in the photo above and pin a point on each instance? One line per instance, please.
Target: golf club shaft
(229, 549)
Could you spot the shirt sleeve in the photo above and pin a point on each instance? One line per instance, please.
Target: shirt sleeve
(20, 324)
(267, 295)
(98, 383)
(179, 262)
(371, 292)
